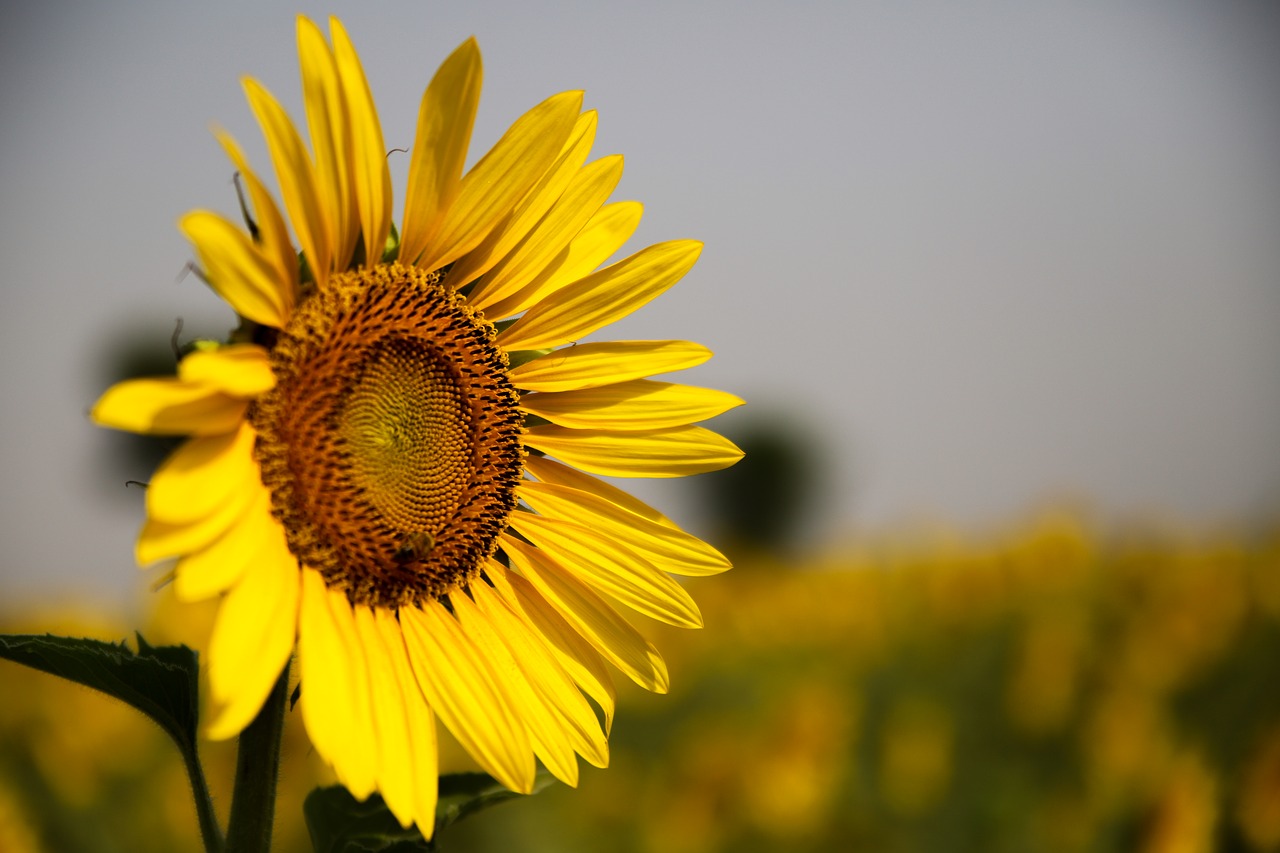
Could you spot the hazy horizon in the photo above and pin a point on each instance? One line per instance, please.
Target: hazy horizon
(988, 256)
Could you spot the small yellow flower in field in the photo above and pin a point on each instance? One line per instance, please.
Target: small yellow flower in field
(916, 756)
(1186, 813)
(1053, 653)
(17, 835)
(392, 461)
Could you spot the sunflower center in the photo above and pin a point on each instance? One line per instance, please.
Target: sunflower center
(407, 428)
(391, 442)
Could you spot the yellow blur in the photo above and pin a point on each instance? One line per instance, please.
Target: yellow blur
(1053, 689)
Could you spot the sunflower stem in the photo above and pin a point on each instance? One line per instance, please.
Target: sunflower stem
(210, 832)
(257, 767)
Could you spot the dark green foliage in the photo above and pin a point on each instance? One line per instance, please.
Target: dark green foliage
(339, 823)
(160, 681)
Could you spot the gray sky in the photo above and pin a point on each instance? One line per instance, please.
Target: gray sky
(991, 254)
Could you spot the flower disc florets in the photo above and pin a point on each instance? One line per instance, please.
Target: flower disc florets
(391, 441)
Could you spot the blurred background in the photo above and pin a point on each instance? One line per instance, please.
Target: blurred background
(1001, 283)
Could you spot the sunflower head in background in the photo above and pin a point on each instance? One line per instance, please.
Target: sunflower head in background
(392, 461)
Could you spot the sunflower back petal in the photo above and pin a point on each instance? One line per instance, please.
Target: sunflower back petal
(372, 176)
(331, 139)
(445, 119)
(273, 234)
(297, 179)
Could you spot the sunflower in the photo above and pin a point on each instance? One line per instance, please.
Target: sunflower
(391, 461)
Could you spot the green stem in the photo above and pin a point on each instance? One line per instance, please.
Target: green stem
(253, 803)
(210, 832)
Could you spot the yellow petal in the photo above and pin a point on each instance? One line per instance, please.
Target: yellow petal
(463, 690)
(512, 229)
(666, 547)
(216, 568)
(604, 363)
(331, 139)
(578, 657)
(397, 777)
(610, 568)
(273, 234)
(551, 471)
(421, 757)
(590, 188)
(237, 268)
(168, 406)
(296, 177)
(591, 616)
(672, 452)
(201, 475)
(356, 762)
(549, 742)
(640, 404)
(538, 664)
(322, 667)
(602, 297)
(445, 119)
(330, 679)
(444, 122)
(604, 234)
(160, 540)
(252, 638)
(241, 370)
(493, 186)
(371, 174)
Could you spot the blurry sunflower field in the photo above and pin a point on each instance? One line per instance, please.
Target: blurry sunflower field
(1049, 689)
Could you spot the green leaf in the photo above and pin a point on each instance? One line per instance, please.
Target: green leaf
(160, 681)
(463, 794)
(339, 823)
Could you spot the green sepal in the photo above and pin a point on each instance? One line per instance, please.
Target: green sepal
(523, 356)
(339, 823)
(391, 251)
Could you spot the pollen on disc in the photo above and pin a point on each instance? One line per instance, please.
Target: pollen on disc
(391, 440)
